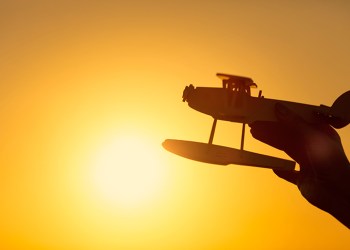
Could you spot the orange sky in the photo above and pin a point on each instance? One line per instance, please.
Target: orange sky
(90, 89)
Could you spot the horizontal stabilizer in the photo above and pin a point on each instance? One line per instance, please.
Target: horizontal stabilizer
(215, 154)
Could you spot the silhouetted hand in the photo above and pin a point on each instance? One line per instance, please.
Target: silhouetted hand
(324, 176)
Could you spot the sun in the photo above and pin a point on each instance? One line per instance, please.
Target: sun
(127, 170)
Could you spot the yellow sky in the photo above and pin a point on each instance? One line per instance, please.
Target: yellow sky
(90, 89)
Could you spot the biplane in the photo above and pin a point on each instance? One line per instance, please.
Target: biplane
(233, 102)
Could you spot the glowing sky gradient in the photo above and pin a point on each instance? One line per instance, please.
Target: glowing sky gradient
(79, 79)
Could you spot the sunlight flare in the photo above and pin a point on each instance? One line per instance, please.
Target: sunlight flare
(127, 170)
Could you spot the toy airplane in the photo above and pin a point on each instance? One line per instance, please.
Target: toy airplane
(233, 102)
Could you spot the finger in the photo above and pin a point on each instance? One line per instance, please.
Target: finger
(291, 119)
(290, 176)
(271, 133)
(298, 131)
(277, 135)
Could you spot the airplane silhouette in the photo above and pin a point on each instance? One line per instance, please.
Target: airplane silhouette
(233, 102)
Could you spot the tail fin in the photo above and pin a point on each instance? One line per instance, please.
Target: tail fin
(340, 111)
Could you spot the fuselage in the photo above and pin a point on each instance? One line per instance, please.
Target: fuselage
(235, 106)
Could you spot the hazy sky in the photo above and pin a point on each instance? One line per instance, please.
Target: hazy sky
(90, 89)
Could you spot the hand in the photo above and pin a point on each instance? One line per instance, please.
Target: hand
(324, 176)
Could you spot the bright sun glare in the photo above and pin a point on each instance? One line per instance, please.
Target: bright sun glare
(127, 170)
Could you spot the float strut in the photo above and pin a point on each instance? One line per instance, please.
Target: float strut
(242, 139)
(212, 131)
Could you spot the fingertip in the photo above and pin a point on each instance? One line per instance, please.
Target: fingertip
(290, 176)
(258, 128)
